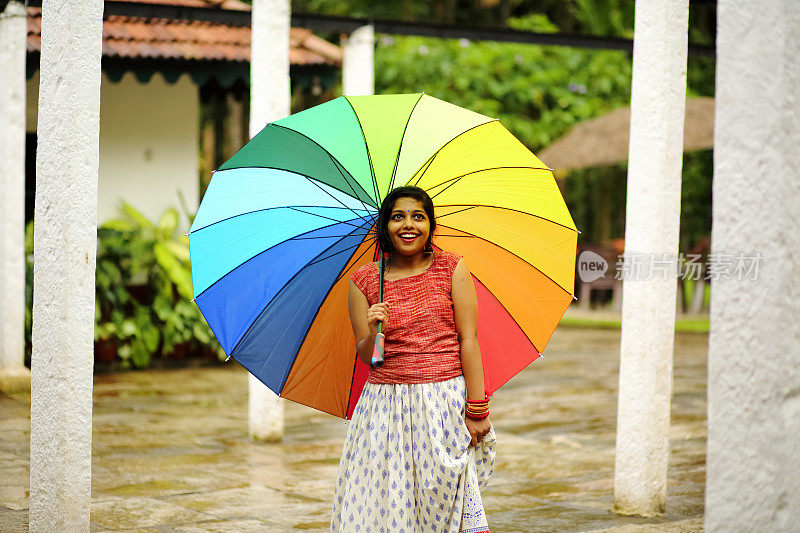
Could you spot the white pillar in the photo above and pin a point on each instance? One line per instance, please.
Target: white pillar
(269, 101)
(753, 460)
(358, 71)
(14, 376)
(658, 97)
(65, 242)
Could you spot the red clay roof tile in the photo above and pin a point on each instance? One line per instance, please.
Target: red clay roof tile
(132, 37)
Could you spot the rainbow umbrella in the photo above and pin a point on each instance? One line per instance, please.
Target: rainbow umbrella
(289, 217)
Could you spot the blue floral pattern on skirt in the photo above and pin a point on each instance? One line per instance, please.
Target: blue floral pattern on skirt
(407, 465)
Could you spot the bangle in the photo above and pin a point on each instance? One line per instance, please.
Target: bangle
(485, 401)
(486, 398)
(477, 409)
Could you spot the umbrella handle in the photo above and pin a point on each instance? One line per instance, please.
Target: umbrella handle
(377, 351)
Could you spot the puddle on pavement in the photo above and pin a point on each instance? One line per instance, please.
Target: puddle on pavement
(548, 489)
(312, 525)
(147, 488)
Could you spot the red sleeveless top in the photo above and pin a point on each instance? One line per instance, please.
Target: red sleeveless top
(421, 343)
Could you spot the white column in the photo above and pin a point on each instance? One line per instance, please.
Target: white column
(658, 97)
(269, 101)
(65, 242)
(358, 70)
(753, 460)
(14, 376)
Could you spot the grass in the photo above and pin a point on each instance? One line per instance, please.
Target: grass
(601, 319)
(683, 325)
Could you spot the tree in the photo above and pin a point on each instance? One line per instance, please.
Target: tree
(538, 92)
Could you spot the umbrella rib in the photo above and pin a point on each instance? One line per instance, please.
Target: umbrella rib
(261, 252)
(311, 180)
(509, 314)
(400, 146)
(456, 179)
(276, 295)
(454, 212)
(428, 163)
(452, 182)
(336, 162)
(369, 156)
(496, 299)
(339, 252)
(424, 167)
(293, 208)
(341, 236)
(337, 165)
(448, 180)
(366, 234)
(332, 196)
(515, 255)
(471, 206)
(269, 209)
(341, 274)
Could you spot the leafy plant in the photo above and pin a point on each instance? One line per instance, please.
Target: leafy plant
(143, 290)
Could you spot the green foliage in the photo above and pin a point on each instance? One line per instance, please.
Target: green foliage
(151, 261)
(596, 200)
(698, 170)
(538, 92)
(583, 195)
(700, 78)
(143, 290)
(607, 17)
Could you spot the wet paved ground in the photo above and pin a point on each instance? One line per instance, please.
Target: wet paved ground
(171, 452)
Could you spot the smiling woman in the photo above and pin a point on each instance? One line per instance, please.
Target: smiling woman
(408, 227)
(420, 447)
(283, 253)
(408, 211)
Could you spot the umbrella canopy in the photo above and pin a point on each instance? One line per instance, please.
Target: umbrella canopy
(289, 217)
(604, 140)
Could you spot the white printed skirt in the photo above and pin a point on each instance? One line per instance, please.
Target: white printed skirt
(407, 465)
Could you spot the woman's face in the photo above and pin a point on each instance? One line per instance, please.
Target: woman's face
(408, 226)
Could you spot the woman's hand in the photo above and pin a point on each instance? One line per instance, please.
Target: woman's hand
(377, 313)
(365, 320)
(478, 429)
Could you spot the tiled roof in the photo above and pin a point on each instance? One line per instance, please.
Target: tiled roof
(140, 38)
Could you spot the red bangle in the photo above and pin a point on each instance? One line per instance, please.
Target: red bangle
(477, 409)
(485, 400)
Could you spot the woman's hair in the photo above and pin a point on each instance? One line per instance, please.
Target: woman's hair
(385, 213)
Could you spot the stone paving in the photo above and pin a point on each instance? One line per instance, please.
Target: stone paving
(171, 452)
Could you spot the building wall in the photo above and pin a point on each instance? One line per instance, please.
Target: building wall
(149, 135)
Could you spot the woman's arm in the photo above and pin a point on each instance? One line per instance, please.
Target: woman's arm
(364, 320)
(465, 307)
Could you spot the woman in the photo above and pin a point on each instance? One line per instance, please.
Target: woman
(420, 446)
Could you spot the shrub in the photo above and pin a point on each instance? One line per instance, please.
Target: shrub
(143, 292)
